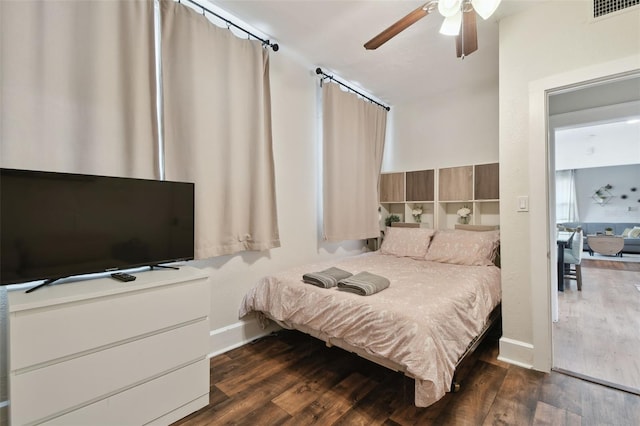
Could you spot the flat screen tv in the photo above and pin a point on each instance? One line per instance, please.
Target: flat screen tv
(56, 225)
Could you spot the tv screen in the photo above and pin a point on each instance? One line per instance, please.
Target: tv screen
(55, 225)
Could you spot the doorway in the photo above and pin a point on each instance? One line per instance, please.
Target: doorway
(594, 330)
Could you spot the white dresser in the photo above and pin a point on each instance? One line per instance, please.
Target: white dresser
(104, 352)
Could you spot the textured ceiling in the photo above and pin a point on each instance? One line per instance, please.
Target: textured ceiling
(417, 63)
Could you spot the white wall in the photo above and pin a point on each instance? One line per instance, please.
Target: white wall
(609, 144)
(453, 129)
(619, 210)
(554, 42)
(295, 142)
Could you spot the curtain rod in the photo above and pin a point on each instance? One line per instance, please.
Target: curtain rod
(330, 77)
(274, 46)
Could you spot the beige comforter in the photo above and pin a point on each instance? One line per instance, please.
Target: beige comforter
(423, 321)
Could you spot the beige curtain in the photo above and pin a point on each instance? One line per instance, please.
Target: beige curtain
(77, 89)
(217, 122)
(353, 141)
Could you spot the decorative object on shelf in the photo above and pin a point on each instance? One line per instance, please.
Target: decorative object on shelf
(608, 231)
(391, 218)
(417, 213)
(463, 215)
(602, 195)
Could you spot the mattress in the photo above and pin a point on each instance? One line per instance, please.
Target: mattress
(424, 321)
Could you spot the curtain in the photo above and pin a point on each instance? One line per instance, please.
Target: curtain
(353, 143)
(77, 87)
(217, 131)
(566, 198)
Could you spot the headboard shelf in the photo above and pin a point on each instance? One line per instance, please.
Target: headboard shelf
(440, 193)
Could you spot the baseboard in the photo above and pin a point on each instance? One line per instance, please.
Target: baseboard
(235, 335)
(516, 352)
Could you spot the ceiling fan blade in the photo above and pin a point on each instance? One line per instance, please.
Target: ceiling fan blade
(399, 26)
(467, 41)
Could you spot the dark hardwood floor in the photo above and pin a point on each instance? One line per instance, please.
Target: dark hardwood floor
(294, 379)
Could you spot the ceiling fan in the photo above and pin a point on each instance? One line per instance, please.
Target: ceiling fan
(459, 20)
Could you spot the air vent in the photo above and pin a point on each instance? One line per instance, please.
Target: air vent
(605, 7)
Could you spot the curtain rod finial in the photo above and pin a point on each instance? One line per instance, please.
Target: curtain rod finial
(275, 47)
(318, 70)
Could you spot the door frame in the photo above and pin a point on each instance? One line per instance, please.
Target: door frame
(543, 250)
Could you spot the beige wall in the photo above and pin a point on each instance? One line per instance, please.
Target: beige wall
(551, 45)
(295, 145)
(452, 129)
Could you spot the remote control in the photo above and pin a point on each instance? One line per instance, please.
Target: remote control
(121, 276)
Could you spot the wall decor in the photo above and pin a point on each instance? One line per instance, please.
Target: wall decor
(602, 195)
(623, 196)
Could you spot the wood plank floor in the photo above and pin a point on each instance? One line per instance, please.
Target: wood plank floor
(294, 379)
(610, 264)
(598, 328)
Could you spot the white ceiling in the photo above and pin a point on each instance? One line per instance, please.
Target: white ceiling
(599, 145)
(417, 63)
(597, 125)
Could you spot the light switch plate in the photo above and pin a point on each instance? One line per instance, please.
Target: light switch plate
(523, 203)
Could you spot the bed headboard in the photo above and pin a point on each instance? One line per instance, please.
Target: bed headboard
(479, 228)
(405, 225)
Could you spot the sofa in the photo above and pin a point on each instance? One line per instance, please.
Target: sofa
(631, 245)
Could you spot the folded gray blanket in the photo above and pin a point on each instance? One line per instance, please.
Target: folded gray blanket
(363, 283)
(327, 278)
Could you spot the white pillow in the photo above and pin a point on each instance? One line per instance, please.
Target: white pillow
(635, 232)
(464, 247)
(406, 242)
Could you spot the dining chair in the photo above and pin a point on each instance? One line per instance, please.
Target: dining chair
(573, 256)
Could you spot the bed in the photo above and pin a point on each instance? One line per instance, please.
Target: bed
(443, 294)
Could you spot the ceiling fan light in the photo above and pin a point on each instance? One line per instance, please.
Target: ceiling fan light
(451, 25)
(449, 8)
(485, 8)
